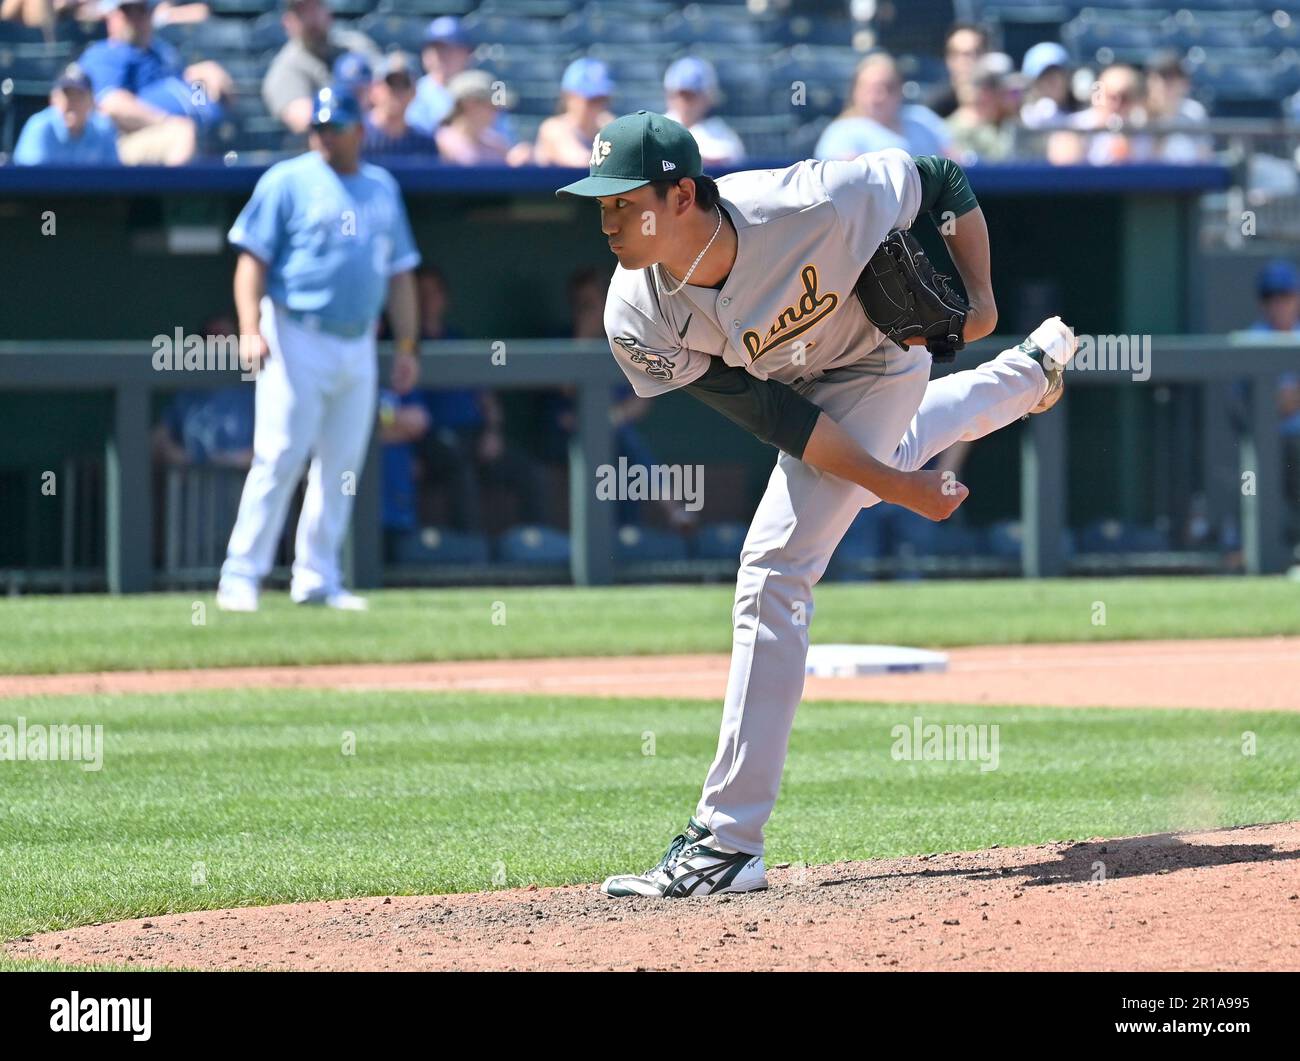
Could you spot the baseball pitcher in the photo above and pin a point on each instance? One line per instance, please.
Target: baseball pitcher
(794, 302)
(324, 241)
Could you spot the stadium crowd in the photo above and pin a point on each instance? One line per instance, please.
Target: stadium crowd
(130, 93)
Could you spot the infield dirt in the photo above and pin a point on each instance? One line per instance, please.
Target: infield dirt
(1228, 899)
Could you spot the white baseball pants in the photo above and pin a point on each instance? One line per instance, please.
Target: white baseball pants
(888, 404)
(315, 398)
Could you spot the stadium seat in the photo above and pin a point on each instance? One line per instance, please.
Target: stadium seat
(865, 540)
(1088, 34)
(523, 8)
(1211, 29)
(800, 29)
(765, 136)
(716, 26)
(17, 33)
(1004, 538)
(720, 541)
(394, 30)
(351, 8)
(266, 34)
(38, 63)
(1115, 536)
(518, 66)
(437, 545)
(641, 545)
(631, 37)
(428, 9)
(219, 35)
(633, 9)
(486, 29)
(533, 545)
(246, 8)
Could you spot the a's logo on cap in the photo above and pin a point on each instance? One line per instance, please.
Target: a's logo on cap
(669, 165)
(599, 149)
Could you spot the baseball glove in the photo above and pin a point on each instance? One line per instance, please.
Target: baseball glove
(904, 297)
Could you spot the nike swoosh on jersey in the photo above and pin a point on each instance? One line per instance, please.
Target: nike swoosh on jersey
(682, 334)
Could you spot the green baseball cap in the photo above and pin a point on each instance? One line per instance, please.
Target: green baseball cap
(634, 150)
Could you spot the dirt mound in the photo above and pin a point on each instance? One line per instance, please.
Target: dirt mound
(1226, 899)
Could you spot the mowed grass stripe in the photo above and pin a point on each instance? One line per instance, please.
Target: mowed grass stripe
(248, 798)
(63, 634)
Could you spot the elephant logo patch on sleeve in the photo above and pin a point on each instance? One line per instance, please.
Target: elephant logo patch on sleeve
(656, 366)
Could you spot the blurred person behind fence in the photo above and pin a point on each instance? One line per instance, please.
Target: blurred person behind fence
(875, 117)
(691, 92)
(304, 65)
(982, 127)
(565, 139)
(471, 133)
(1112, 128)
(159, 104)
(70, 131)
(1049, 101)
(1168, 102)
(963, 46)
(390, 94)
(444, 53)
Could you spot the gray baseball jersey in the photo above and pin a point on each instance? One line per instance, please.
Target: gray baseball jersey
(787, 310)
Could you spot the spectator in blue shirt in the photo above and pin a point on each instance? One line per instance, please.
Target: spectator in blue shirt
(158, 105)
(390, 94)
(445, 54)
(69, 132)
(875, 117)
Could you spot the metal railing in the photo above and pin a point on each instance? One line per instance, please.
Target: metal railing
(125, 370)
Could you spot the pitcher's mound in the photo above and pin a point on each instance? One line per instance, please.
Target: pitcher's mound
(1226, 899)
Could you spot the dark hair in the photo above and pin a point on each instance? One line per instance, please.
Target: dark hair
(963, 27)
(1168, 65)
(706, 190)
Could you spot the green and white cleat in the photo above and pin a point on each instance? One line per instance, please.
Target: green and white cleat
(1052, 345)
(693, 866)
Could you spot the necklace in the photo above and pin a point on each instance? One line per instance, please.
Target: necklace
(699, 258)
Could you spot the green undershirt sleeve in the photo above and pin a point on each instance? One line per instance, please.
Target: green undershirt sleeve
(773, 412)
(944, 188)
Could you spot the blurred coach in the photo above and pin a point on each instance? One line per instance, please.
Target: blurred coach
(324, 241)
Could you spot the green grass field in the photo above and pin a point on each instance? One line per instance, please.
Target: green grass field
(218, 799)
(51, 634)
(246, 798)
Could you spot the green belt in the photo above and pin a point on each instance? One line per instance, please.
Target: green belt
(314, 322)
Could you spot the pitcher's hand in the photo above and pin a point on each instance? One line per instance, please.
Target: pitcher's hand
(935, 495)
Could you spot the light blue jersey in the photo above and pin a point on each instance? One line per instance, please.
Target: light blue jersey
(330, 241)
(923, 133)
(45, 141)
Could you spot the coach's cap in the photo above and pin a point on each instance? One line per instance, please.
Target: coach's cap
(1278, 277)
(691, 75)
(446, 30)
(352, 71)
(588, 78)
(1042, 57)
(335, 106)
(73, 77)
(634, 150)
